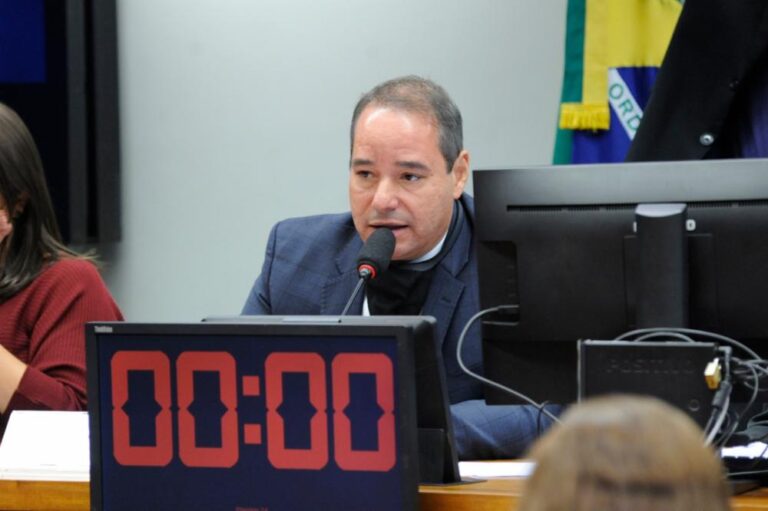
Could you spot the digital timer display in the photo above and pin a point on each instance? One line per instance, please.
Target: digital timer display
(232, 420)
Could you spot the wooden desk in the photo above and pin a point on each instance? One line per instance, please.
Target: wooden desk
(491, 495)
(44, 495)
(504, 493)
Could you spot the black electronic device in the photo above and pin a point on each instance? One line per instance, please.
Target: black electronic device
(670, 370)
(324, 404)
(59, 73)
(593, 251)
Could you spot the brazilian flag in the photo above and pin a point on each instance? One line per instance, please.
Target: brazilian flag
(613, 52)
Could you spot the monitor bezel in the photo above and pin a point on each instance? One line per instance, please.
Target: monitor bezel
(402, 330)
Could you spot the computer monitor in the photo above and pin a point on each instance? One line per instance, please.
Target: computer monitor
(264, 412)
(593, 251)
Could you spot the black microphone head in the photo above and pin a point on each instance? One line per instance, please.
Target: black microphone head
(376, 253)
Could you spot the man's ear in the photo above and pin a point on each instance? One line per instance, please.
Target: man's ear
(460, 173)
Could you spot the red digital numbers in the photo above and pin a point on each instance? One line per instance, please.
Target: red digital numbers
(223, 364)
(276, 366)
(382, 459)
(161, 453)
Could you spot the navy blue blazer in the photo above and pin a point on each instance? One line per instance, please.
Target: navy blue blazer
(310, 269)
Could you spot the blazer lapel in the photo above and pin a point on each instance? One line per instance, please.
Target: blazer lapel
(446, 288)
(338, 288)
(444, 294)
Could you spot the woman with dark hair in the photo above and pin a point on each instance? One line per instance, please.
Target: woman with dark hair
(47, 291)
(630, 453)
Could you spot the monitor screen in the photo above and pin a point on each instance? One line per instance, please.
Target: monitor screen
(437, 456)
(578, 249)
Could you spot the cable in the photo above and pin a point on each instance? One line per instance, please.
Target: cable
(721, 402)
(731, 426)
(664, 334)
(722, 398)
(721, 417)
(754, 367)
(492, 383)
(723, 440)
(539, 425)
(702, 333)
(720, 408)
(756, 387)
(708, 425)
(748, 473)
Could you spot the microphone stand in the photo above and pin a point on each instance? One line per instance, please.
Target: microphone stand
(374, 257)
(360, 284)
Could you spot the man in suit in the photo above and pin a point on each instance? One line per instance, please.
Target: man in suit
(408, 169)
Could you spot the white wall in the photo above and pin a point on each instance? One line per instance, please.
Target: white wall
(235, 114)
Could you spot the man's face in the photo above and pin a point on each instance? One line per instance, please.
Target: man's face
(398, 179)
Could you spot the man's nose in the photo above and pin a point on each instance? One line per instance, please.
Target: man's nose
(386, 196)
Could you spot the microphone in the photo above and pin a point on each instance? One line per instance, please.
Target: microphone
(373, 259)
(376, 253)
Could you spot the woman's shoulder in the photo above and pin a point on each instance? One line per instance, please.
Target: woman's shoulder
(72, 270)
(71, 279)
(67, 265)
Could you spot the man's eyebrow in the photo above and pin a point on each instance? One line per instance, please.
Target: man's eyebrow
(361, 161)
(412, 165)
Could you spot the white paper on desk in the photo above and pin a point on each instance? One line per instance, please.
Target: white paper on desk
(752, 450)
(491, 469)
(46, 446)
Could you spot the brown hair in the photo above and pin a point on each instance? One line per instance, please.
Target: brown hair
(627, 453)
(35, 239)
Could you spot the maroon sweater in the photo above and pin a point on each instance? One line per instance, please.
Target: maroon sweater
(43, 326)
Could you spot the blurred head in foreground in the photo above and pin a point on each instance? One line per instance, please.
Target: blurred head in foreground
(625, 453)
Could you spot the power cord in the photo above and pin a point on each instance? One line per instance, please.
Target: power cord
(690, 331)
(720, 403)
(522, 397)
(753, 397)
